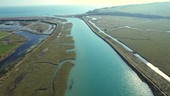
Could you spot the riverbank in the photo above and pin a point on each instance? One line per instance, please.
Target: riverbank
(42, 68)
(159, 85)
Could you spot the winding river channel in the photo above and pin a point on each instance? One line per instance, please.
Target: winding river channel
(32, 41)
(99, 70)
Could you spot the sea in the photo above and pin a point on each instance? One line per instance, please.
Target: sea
(24, 11)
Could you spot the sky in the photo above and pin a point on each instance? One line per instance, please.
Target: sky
(75, 2)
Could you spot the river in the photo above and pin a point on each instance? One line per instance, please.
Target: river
(99, 70)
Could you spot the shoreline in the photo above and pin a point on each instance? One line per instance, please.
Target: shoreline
(157, 88)
(35, 18)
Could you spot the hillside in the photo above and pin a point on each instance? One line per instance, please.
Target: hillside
(151, 10)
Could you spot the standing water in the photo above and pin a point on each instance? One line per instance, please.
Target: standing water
(99, 70)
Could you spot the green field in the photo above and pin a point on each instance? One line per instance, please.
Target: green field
(5, 48)
(2, 33)
(112, 22)
(157, 24)
(151, 44)
(9, 43)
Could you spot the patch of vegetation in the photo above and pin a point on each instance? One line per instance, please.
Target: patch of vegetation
(6, 47)
(114, 22)
(3, 33)
(39, 27)
(159, 25)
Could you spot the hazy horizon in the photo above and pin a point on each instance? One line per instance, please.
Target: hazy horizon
(101, 3)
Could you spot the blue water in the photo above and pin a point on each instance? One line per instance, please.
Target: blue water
(99, 70)
(43, 10)
(10, 27)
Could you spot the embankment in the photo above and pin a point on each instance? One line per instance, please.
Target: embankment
(158, 84)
